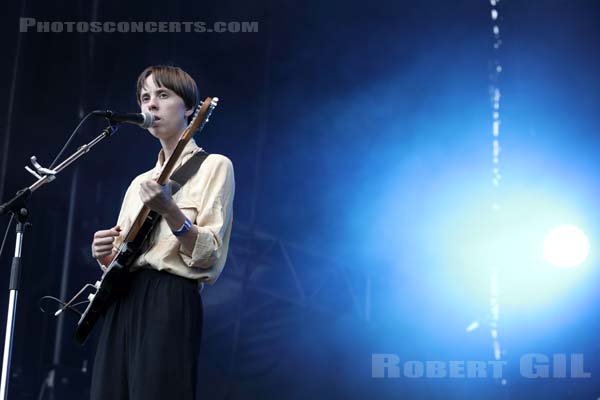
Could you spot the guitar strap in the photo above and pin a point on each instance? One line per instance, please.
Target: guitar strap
(177, 180)
(187, 170)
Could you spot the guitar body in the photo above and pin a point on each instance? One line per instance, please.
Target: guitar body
(116, 278)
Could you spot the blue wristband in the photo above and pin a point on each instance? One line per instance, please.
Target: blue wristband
(187, 225)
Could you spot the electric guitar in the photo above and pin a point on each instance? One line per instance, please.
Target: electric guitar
(115, 280)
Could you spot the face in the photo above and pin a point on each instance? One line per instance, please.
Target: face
(170, 115)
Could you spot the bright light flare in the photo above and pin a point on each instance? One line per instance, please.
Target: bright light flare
(566, 246)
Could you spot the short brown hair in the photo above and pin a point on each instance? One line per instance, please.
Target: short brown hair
(173, 78)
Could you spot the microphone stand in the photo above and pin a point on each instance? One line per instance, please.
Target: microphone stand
(18, 207)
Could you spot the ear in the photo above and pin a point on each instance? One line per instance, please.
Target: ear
(189, 112)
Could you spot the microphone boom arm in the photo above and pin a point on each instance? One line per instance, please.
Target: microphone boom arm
(45, 175)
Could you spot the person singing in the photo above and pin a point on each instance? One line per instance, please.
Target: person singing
(150, 339)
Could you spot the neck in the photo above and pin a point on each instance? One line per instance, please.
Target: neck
(170, 142)
(168, 146)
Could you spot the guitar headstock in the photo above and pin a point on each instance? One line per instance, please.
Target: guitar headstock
(201, 117)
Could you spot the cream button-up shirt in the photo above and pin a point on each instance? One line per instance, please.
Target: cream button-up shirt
(207, 200)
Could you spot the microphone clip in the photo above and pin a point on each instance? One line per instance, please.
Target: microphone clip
(40, 171)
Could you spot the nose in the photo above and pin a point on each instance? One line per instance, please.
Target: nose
(151, 104)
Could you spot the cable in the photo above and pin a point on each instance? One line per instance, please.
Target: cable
(12, 216)
(62, 303)
(60, 153)
(43, 389)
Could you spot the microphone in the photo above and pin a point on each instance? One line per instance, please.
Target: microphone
(144, 120)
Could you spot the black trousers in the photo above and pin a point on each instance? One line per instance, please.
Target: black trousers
(150, 340)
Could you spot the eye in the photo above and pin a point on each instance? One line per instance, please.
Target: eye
(145, 98)
(163, 95)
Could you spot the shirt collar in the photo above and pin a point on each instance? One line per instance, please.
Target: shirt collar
(190, 148)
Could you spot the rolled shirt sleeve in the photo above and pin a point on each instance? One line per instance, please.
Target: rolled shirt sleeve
(214, 207)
